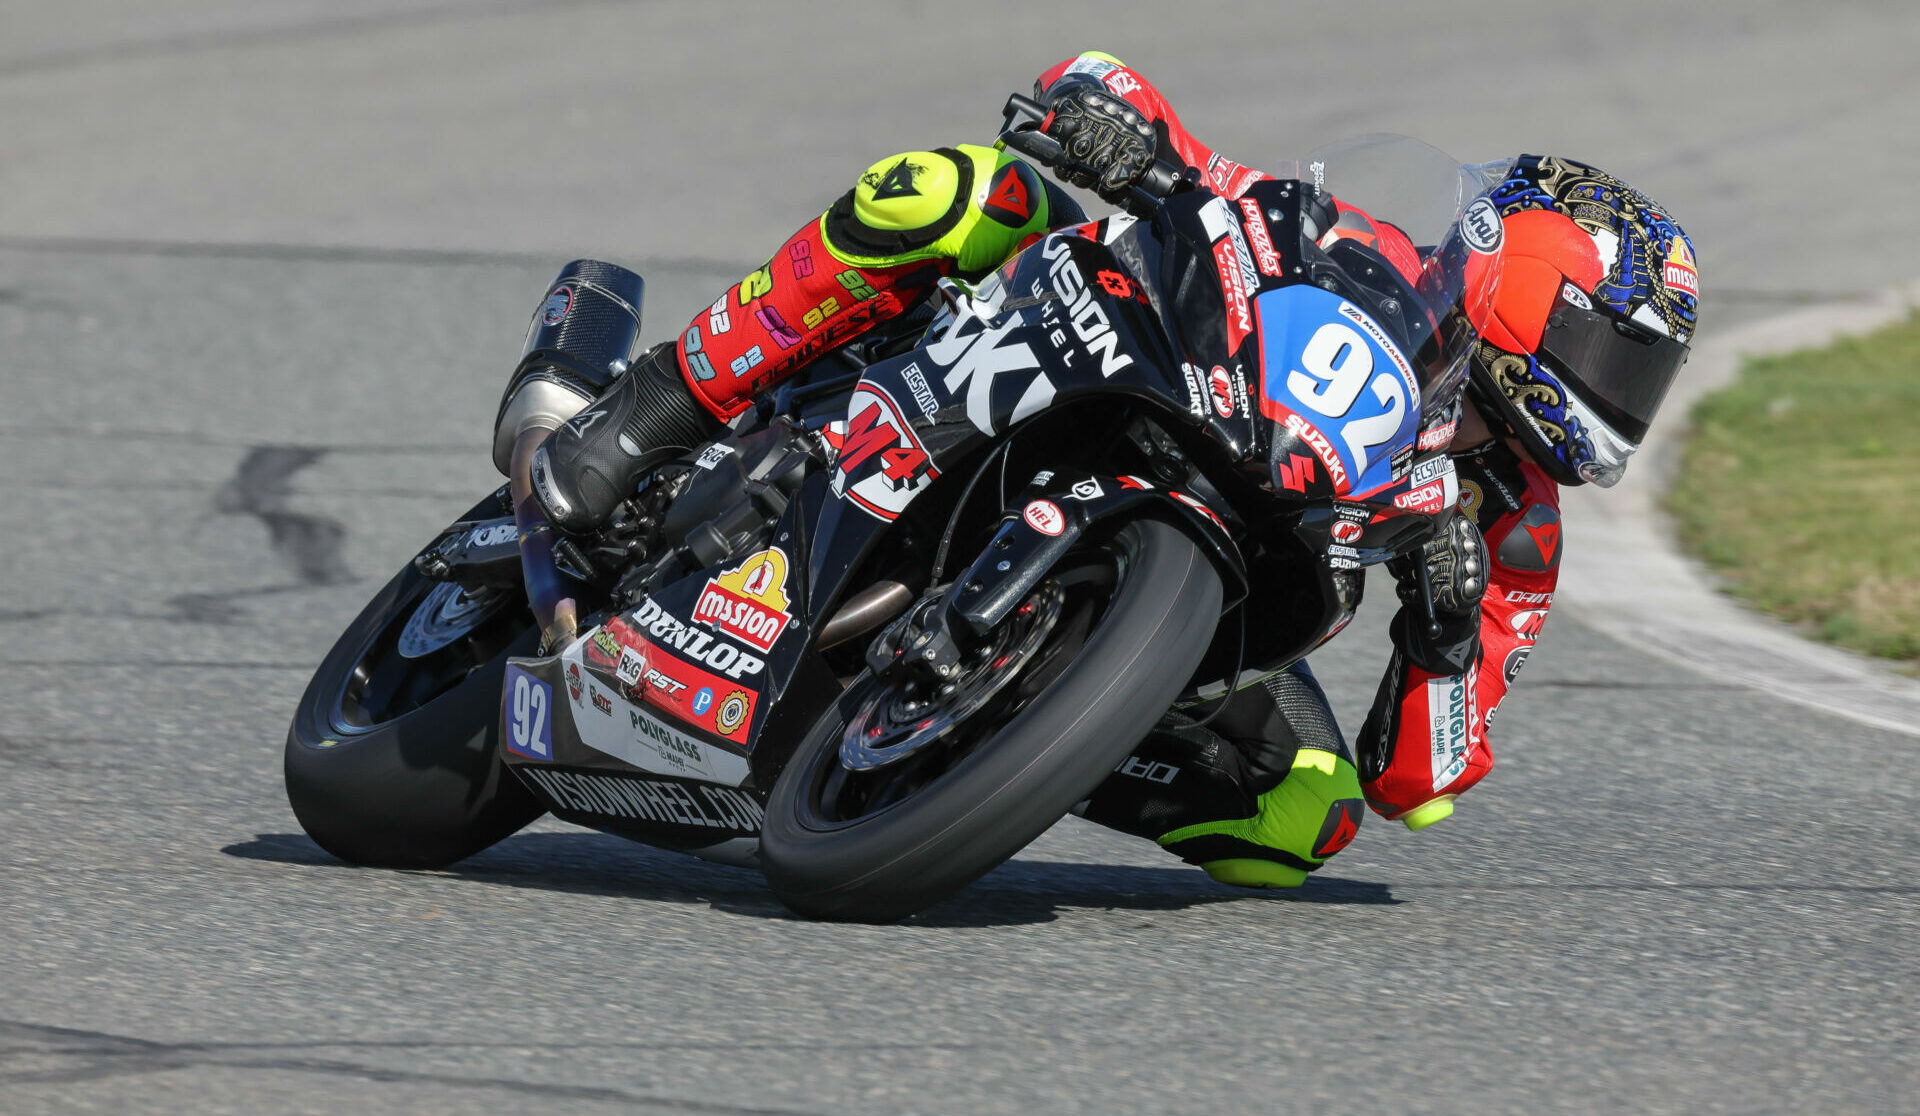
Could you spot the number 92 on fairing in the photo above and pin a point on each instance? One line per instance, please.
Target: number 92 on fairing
(1326, 361)
(529, 709)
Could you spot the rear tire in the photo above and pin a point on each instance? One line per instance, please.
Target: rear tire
(395, 762)
(1002, 791)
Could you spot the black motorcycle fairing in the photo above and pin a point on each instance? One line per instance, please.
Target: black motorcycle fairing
(1055, 513)
(1065, 355)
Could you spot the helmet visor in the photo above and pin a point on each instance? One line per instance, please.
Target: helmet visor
(1617, 368)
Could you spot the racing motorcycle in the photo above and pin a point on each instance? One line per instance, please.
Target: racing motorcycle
(929, 592)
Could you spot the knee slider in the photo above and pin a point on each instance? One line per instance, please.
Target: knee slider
(902, 204)
(973, 205)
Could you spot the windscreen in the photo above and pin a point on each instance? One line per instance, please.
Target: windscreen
(1401, 203)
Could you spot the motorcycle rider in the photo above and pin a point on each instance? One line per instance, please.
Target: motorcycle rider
(1584, 333)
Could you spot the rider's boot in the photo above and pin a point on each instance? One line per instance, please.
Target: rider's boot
(1259, 804)
(597, 458)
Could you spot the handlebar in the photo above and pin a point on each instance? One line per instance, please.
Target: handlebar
(1020, 130)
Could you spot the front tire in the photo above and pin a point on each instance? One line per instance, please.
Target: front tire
(1011, 777)
(393, 759)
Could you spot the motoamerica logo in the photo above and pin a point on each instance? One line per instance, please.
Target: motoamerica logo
(748, 602)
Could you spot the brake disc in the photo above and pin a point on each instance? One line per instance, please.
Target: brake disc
(904, 718)
(447, 614)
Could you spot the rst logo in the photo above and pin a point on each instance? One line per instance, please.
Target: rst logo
(882, 465)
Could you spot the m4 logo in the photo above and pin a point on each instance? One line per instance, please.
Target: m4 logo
(882, 464)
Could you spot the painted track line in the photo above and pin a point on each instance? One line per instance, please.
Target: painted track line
(1625, 576)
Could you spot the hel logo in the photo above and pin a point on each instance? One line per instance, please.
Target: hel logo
(1045, 517)
(1010, 198)
(1343, 822)
(556, 307)
(573, 680)
(748, 602)
(1527, 623)
(1346, 531)
(1296, 472)
(877, 430)
(1680, 274)
(1222, 389)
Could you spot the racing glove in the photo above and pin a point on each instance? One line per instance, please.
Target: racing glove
(1441, 634)
(1110, 144)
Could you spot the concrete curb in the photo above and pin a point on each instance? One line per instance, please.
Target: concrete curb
(1625, 576)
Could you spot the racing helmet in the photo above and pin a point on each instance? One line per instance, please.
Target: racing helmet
(1590, 319)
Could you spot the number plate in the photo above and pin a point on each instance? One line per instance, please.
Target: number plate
(1331, 375)
(529, 715)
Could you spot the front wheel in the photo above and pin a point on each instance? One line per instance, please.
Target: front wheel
(901, 796)
(392, 758)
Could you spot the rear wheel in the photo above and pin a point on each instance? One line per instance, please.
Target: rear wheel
(393, 755)
(906, 791)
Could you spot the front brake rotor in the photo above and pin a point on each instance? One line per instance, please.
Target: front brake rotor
(918, 710)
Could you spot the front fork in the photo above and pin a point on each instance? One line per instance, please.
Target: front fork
(549, 592)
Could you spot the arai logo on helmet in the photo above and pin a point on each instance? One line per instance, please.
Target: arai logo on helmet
(1480, 226)
(557, 305)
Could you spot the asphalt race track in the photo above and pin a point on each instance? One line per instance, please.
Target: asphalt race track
(263, 268)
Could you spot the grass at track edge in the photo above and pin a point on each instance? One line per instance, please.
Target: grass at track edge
(1800, 489)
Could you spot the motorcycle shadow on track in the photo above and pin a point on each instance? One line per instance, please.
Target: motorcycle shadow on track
(1019, 892)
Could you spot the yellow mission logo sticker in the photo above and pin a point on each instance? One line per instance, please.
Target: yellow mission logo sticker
(748, 602)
